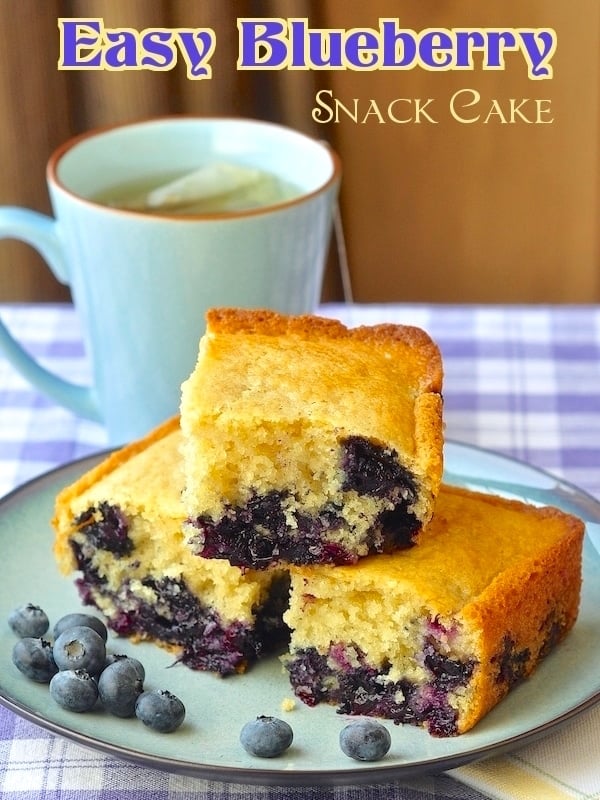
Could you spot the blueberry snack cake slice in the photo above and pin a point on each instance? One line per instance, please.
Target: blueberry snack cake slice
(436, 635)
(308, 442)
(120, 527)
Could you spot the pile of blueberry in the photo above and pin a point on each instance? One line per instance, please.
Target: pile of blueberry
(80, 671)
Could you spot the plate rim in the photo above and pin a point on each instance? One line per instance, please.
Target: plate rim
(380, 773)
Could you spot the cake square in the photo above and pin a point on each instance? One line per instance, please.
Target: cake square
(436, 635)
(309, 442)
(120, 527)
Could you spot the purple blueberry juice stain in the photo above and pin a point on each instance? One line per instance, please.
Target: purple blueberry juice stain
(105, 527)
(375, 471)
(448, 673)
(370, 469)
(179, 618)
(310, 676)
(554, 630)
(344, 678)
(259, 534)
(511, 662)
(208, 643)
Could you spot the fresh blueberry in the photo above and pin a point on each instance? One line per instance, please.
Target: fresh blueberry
(266, 737)
(120, 686)
(33, 657)
(74, 689)
(160, 710)
(80, 648)
(78, 618)
(29, 620)
(112, 658)
(365, 740)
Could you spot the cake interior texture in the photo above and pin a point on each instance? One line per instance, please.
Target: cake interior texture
(307, 442)
(435, 636)
(120, 527)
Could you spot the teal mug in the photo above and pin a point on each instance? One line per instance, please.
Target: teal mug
(142, 279)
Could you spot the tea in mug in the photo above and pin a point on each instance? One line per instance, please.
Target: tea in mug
(212, 189)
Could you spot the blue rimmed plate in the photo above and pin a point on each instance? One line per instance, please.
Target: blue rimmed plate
(207, 745)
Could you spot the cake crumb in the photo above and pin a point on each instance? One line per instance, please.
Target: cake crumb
(288, 704)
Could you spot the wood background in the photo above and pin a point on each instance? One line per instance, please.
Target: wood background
(483, 212)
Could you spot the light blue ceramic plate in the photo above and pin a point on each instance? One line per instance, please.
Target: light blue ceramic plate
(207, 744)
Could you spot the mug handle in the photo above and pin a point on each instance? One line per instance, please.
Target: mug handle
(39, 231)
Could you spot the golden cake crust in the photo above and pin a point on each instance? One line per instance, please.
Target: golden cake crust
(528, 594)
(311, 327)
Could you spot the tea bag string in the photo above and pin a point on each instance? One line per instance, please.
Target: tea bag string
(341, 250)
(342, 255)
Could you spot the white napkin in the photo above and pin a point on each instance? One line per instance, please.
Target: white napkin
(562, 766)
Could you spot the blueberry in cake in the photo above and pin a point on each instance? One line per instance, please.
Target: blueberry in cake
(120, 527)
(436, 635)
(306, 442)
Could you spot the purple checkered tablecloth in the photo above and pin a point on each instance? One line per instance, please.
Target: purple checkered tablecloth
(522, 381)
